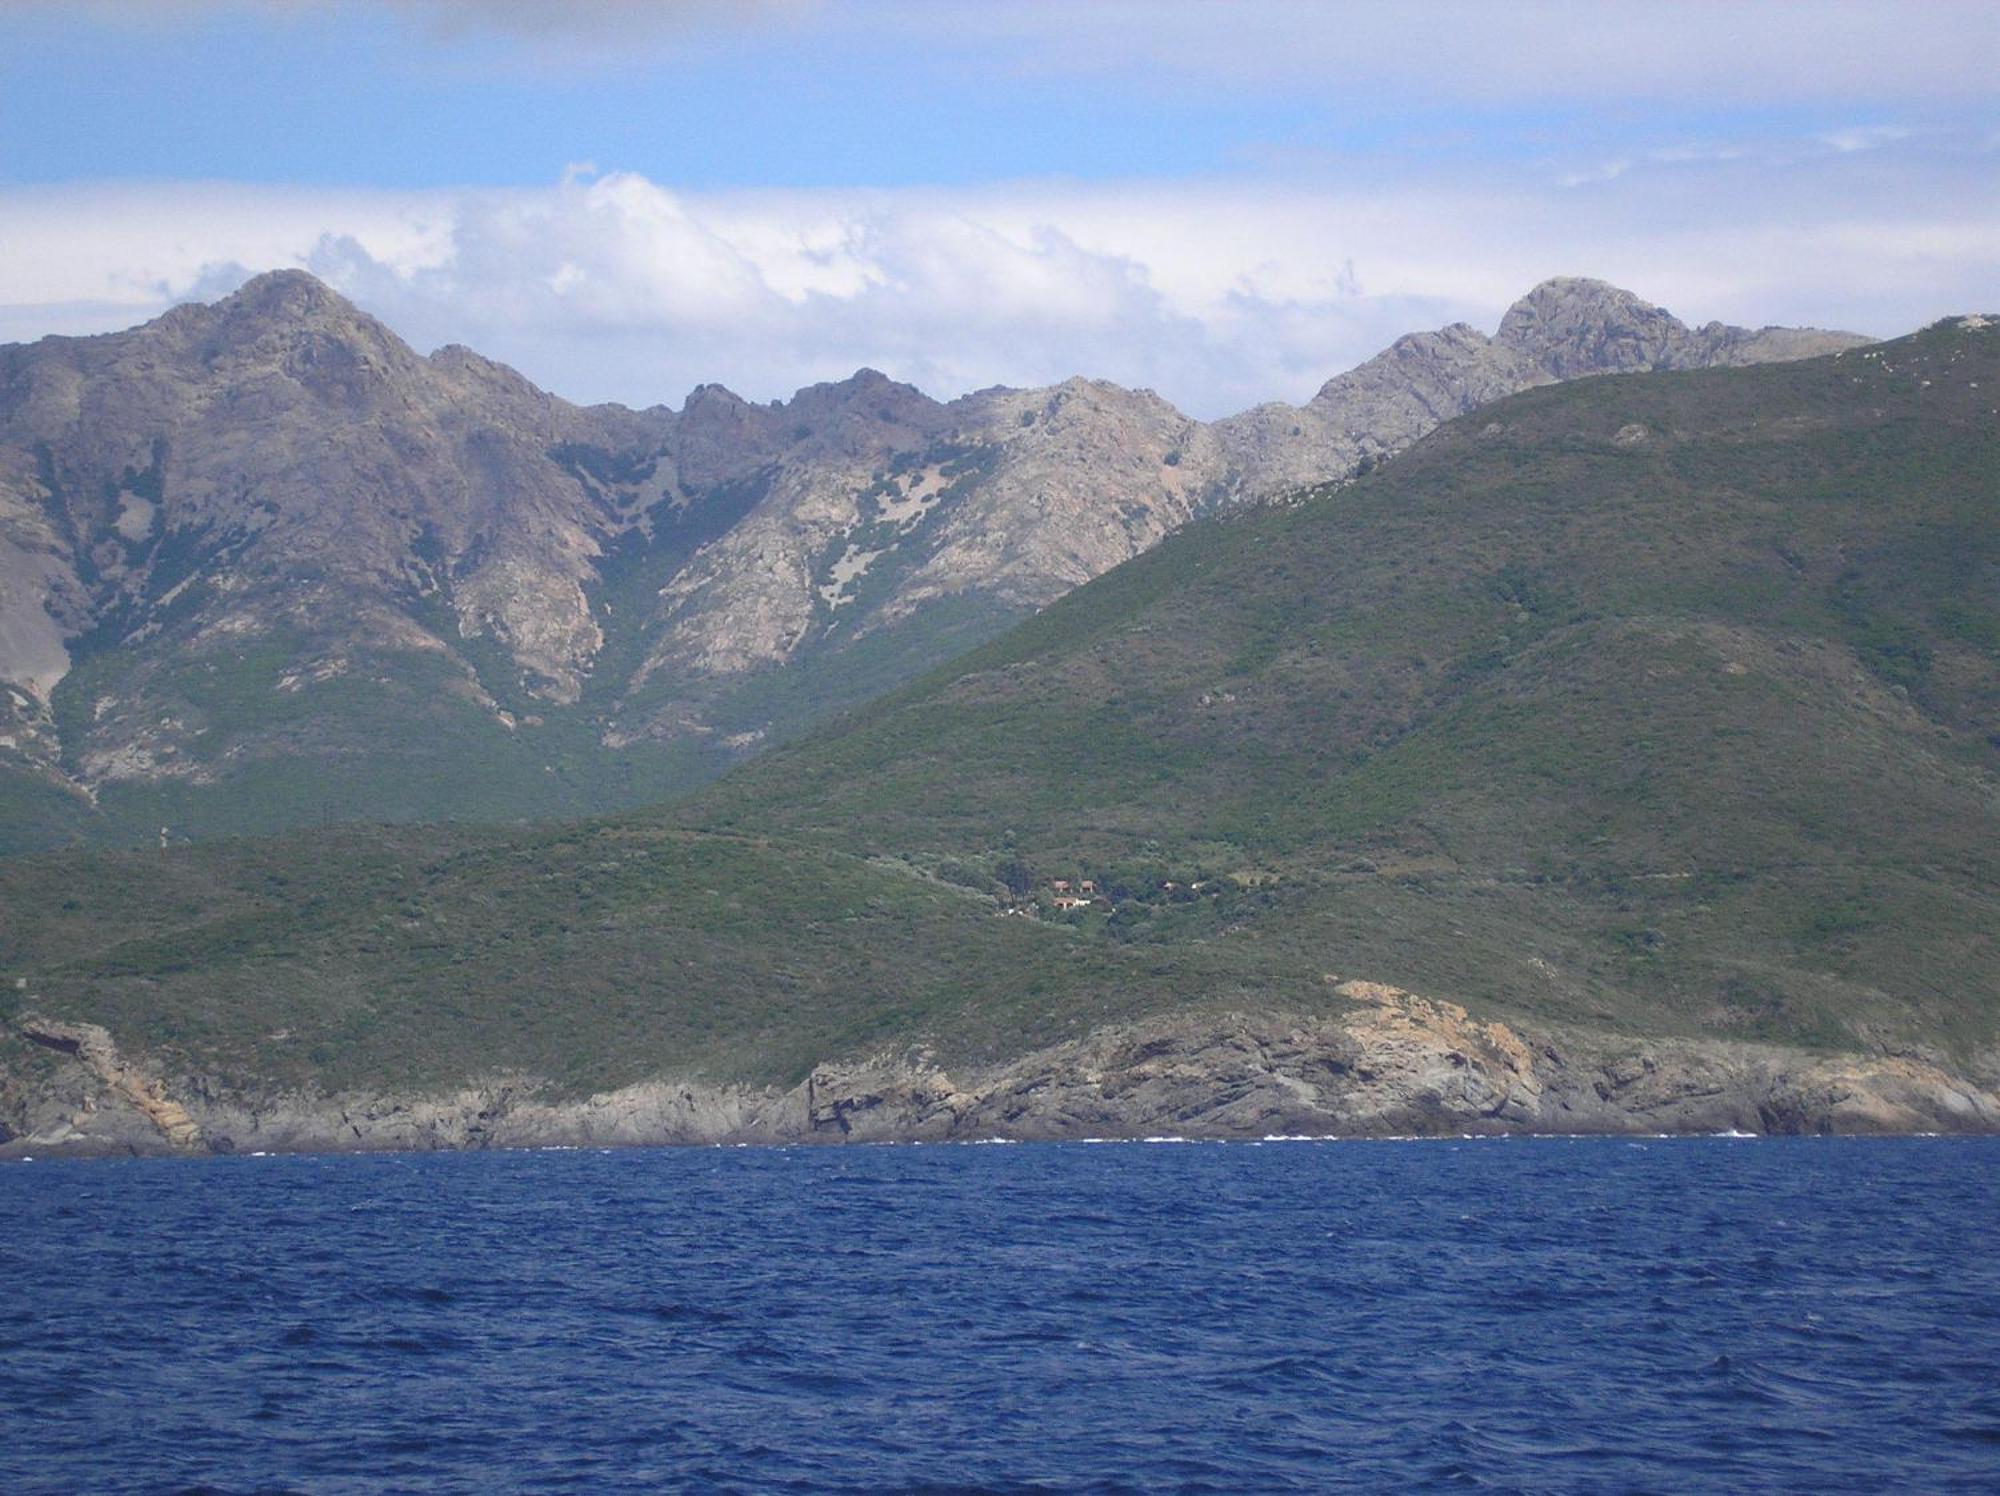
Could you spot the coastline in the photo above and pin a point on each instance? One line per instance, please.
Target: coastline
(1395, 1065)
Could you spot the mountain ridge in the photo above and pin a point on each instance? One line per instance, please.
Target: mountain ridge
(263, 564)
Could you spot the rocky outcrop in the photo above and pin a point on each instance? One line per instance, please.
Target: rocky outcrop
(119, 1083)
(1390, 1063)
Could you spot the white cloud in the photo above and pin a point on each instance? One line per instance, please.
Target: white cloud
(1217, 293)
(1688, 52)
(1679, 52)
(135, 246)
(1604, 172)
(1865, 137)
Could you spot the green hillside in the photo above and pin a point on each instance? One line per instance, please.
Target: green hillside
(1671, 699)
(1668, 703)
(589, 955)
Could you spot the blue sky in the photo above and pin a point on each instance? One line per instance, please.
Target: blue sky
(1228, 202)
(369, 95)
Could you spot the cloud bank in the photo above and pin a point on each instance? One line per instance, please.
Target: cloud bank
(1540, 51)
(1219, 294)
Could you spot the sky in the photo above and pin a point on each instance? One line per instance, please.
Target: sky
(1226, 202)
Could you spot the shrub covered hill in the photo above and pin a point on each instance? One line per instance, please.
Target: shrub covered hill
(1622, 756)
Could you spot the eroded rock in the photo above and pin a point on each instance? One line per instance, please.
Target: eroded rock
(1392, 1063)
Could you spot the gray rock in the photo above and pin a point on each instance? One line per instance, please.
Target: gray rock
(1394, 1064)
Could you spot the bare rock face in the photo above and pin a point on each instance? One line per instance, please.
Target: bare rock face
(141, 1112)
(1085, 476)
(266, 542)
(1394, 1064)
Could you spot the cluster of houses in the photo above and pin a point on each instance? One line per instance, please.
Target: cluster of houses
(1071, 895)
(1083, 896)
(1082, 893)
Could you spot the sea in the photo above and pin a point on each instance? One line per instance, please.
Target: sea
(1714, 1314)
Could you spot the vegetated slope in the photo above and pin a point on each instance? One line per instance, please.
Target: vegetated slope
(263, 565)
(1666, 702)
(586, 956)
(1658, 708)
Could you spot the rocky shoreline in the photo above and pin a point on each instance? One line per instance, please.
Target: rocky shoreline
(1394, 1064)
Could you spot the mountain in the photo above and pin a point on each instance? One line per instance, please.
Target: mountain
(1623, 756)
(1565, 328)
(263, 565)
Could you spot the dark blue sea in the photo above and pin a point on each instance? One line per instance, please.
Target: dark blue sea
(1808, 1315)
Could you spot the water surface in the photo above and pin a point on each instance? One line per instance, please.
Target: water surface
(1552, 1314)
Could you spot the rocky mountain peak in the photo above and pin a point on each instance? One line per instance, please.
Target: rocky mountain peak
(864, 381)
(294, 293)
(721, 434)
(475, 371)
(711, 400)
(715, 412)
(1415, 355)
(290, 323)
(281, 302)
(1570, 291)
(868, 395)
(1572, 325)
